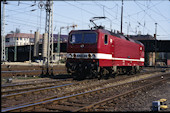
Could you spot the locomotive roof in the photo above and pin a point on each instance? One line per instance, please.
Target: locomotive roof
(111, 33)
(125, 37)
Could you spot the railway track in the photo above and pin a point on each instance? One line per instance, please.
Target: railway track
(41, 92)
(54, 88)
(74, 96)
(36, 71)
(108, 103)
(28, 72)
(16, 88)
(12, 88)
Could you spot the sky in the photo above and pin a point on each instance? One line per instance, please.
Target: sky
(139, 16)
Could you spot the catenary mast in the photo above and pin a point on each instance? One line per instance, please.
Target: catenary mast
(49, 32)
(3, 56)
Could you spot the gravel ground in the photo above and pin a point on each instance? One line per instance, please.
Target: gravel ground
(142, 101)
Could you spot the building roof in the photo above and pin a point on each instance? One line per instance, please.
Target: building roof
(63, 38)
(141, 37)
(23, 35)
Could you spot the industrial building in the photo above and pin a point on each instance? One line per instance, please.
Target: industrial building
(18, 46)
(157, 52)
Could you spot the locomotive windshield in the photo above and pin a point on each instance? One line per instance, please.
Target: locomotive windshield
(76, 38)
(87, 38)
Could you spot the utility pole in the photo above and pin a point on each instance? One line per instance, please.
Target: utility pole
(15, 48)
(59, 37)
(3, 56)
(41, 5)
(30, 47)
(155, 42)
(58, 45)
(121, 18)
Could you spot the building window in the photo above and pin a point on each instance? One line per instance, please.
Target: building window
(7, 40)
(40, 40)
(31, 40)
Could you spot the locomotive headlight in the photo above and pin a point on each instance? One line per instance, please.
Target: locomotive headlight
(70, 55)
(93, 55)
(89, 55)
(74, 55)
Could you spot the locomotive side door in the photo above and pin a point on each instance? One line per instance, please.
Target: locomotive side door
(112, 48)
(114, 65)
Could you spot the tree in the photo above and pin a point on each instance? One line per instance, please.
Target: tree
(11, 32)
(16, 31)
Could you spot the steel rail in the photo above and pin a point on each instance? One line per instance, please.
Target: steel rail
(51, 83)
(20, 71)
(35, 90)
(27, 84)
(29, 73)
(42, 89)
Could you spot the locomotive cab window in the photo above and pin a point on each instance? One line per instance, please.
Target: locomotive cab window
(86, 38)
(105, 39)
(76, 38)
(89, 38)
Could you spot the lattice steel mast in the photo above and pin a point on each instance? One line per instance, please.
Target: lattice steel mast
(49, 31)
(3, 56)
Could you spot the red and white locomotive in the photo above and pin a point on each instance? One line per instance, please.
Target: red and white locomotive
(99, 52)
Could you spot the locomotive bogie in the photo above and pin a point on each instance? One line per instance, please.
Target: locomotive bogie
(87, 68)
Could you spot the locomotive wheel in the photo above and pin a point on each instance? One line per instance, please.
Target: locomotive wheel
(93, 74)
(139, 68)
(99, 74)
(136, 69)
(104, 73)
(129, 71)
(132, 70)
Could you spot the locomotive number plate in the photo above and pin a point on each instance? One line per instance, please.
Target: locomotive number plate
(82, 55)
